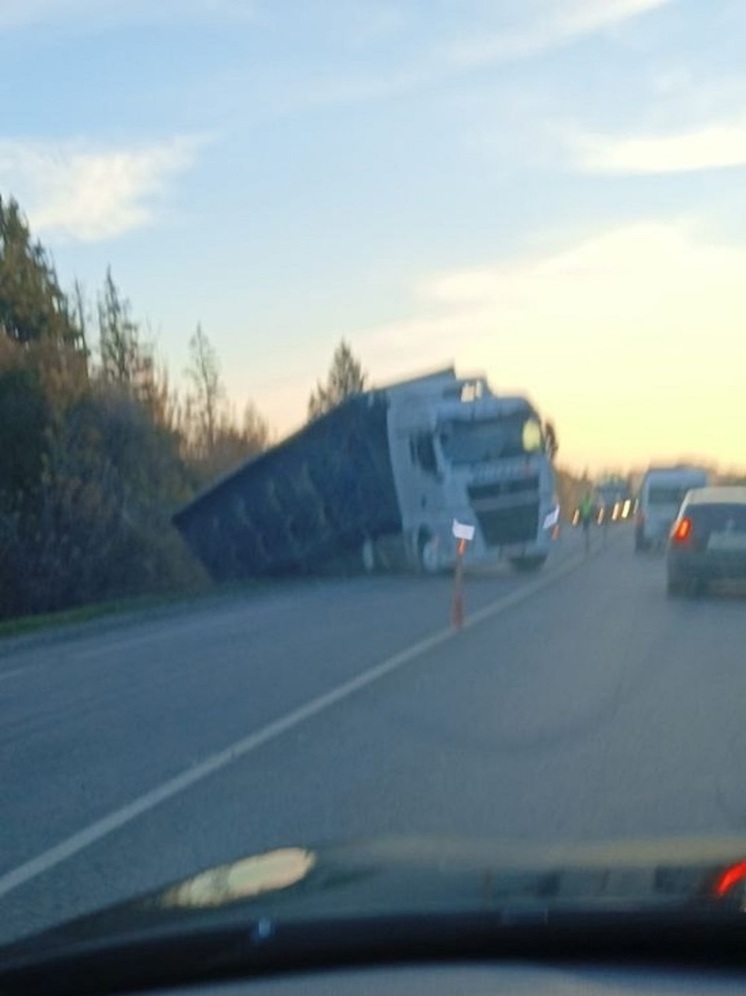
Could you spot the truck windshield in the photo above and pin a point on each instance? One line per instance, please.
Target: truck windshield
(491, 439)
(667, 494)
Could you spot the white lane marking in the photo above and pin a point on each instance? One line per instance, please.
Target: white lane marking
(215, 762)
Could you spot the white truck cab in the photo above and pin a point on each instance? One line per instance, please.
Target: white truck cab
(459, 451)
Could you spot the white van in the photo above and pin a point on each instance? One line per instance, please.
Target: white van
(662, 491)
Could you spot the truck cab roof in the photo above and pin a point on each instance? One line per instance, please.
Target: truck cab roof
(491, 406)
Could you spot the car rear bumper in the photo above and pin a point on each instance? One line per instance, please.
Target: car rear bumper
(656, 533)
(707, 565)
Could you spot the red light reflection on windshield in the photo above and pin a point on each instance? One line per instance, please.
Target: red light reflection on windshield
(730, 877)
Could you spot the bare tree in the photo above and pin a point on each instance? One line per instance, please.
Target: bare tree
(80, 313)
(255, 430)
(119, 345)
(206, 399)
(346, 377)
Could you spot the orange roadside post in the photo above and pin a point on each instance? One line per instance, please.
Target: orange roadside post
(463, 534)
(457, 614)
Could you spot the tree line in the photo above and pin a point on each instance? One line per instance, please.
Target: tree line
(97, 446)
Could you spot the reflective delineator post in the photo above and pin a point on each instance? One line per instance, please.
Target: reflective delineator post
(463, 534)
(457, 614)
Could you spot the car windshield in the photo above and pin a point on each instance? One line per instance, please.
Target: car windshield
(468, 442)
(660, 494)
(355, 359)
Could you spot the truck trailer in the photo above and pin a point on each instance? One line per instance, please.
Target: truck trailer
(377, 482)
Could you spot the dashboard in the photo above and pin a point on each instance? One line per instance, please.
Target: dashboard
(483, 979)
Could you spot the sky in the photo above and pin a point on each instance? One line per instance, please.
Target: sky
(549, 192)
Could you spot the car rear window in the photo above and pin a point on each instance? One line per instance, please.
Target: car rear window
(666, 494)
(725, 517)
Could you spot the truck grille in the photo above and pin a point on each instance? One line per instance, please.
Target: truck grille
(507, 511)
(501, 489)
(509, 525)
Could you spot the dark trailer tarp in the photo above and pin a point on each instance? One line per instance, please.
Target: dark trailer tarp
(311, 500)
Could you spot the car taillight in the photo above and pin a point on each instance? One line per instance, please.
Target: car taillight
(682, 530)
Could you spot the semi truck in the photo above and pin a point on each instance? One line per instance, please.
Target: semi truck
(378, 483)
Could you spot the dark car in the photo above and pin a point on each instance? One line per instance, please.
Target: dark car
(708, 539)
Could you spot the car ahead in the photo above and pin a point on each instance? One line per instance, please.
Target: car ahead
(708, 539)
(661, 493)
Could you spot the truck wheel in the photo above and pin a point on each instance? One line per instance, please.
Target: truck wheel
(427, 550)
(526, 564)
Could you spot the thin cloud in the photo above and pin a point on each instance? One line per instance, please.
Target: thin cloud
(643, 286)
(96, 14)
(625, 277)
(554, 25)
(612, 335)
(626, 320)
(79, 192)
(533, 29)
(714, 147)
(550, 25)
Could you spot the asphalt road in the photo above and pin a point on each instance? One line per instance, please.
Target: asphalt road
(579, 703)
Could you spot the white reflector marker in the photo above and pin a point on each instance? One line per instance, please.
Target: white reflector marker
(552, 518)
(462, 531)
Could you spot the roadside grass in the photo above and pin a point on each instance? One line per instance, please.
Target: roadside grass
(122, 609)
(86, 613)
